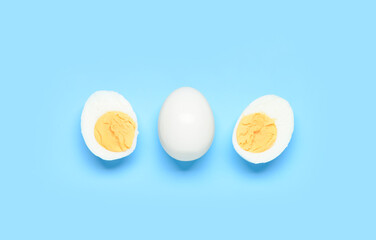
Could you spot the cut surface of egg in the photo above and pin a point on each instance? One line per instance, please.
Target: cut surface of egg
(264, 129)
(109, 125)
(186, 124)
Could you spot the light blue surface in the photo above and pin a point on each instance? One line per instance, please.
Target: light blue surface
(319, 55)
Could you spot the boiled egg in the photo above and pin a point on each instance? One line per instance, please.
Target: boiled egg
(186, 124)
(109, 125)
(264, 129)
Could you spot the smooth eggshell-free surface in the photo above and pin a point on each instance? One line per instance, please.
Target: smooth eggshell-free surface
(186, 124)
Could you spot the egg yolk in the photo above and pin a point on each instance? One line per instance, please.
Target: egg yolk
(115, 131)
(256, 133)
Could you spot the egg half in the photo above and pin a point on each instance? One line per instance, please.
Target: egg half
(109, 125)
(186, 124)
(264, 129)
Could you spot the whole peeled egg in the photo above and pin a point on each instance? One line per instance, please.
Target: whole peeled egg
(264, 129)
(186, 124)
(109, 125)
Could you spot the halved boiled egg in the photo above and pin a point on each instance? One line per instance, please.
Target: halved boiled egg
(264, 129)
(109, 125)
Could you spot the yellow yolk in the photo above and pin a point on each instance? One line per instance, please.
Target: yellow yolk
(115, 131)
(256, 133)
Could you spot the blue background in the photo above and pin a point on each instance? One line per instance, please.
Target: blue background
(319, 55)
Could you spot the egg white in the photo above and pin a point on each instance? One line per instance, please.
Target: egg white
(186, 124)
(98, 104)
(278, 109)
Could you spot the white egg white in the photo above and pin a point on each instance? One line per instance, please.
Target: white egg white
(278, 109)
(98, 104)
(186, 124)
